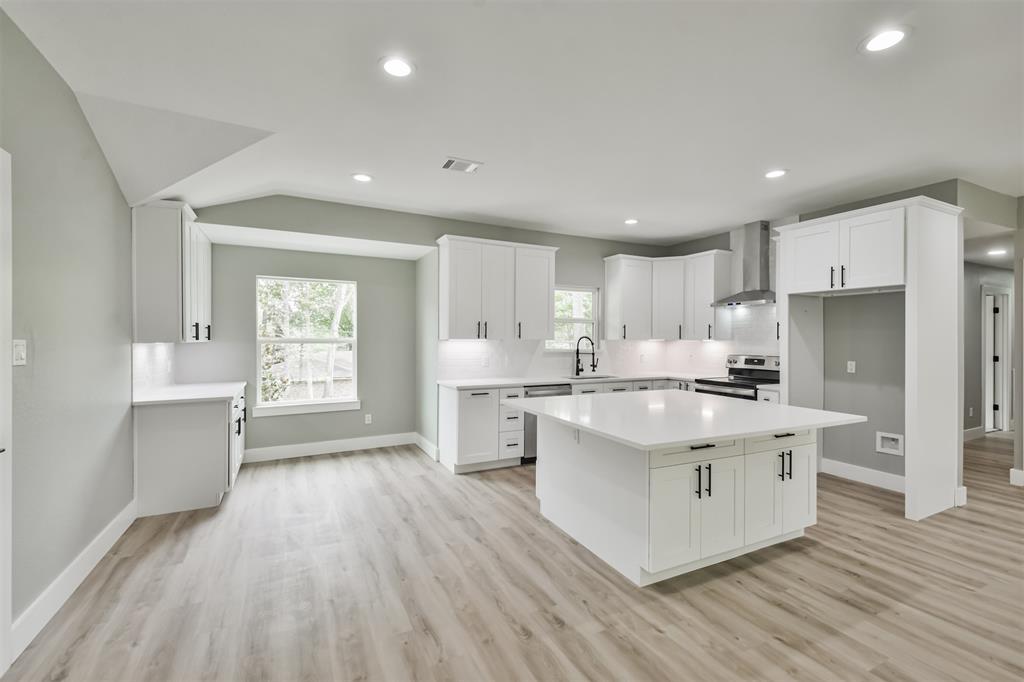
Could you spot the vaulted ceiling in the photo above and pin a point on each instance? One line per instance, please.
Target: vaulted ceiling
(584, 114)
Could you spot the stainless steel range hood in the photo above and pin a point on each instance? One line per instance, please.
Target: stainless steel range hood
(756, 282)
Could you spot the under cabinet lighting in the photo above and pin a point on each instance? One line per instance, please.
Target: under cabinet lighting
(997, 252)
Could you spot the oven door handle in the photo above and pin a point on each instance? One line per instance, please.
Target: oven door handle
(727, 390)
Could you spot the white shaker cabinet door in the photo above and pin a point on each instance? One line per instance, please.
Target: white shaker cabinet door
(535, 294)
(763, 503)
(799, 497)
(721, 506)
(675, 517)
(478, 426)
(497, 291)
(871, 250)
(669, 276)
(462, 286)
(811, 258)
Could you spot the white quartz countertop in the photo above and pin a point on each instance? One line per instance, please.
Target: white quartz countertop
(505, 382)
(651, 420)
(183, 393)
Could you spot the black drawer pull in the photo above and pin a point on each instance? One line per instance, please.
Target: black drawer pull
(709, 480)
(783, 435)
(789, 474)
(511, 445)
(704, 446)
(484, 393)
(782, 466)
(699, 486)
(512, 418)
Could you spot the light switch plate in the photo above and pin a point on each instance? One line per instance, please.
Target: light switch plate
(19, 351)
(851, 366)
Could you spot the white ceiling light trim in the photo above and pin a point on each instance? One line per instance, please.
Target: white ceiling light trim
(362, 177)
(883, 40)
(396, 66)
(775, 173)
(631, 221)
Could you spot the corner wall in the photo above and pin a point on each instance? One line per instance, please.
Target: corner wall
(72, 440)
(426, 346)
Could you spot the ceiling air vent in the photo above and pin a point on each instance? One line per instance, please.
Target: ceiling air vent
(461, 165)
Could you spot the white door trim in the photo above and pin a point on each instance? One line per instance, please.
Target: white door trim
(6, 470)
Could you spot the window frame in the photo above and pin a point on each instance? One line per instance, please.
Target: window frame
(263, 409)
(595, 306)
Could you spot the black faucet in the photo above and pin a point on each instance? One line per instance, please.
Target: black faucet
(593, 356)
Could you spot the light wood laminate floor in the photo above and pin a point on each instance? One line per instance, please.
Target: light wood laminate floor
(380, 565)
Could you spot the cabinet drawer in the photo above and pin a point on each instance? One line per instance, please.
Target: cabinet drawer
(782, 439)
(587, 389)
(768, 396)
(510, 419)
(663, 384)
(618, 387)
(696, 452)
(509, 393)
(643, 385)
(510, 445)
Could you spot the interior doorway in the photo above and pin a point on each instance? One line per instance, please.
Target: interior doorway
(997, 395)
(6, 387)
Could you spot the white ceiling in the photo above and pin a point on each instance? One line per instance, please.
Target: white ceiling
(584, 114)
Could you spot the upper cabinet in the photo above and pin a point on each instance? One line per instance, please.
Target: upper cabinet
(708, 278)
(628, 297)
(859, 252)
(668, 303)
(172, 272)
(495, 290)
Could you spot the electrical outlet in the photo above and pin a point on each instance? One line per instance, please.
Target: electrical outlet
(851, 366)
(367, 418)
(19, 348)
(970, 411)
(485, 361)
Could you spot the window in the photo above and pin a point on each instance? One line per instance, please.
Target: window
(307, 345)
(575, 316)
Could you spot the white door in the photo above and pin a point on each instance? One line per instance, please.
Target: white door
(800, 488)
(498, 277)
(812, 258)
(871, 249)
(478, 426)
(535, 294)
(465, 289)
(763, 497)
(675, 517)
(699, 291)
(668, 277)
(721, 506)
(5, 397)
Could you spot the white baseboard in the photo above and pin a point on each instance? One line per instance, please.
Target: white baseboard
(974, 434)
(1016, 476)
(961, 496)
(326, 447)
(879, 479)
(34, 618)
(428, 448)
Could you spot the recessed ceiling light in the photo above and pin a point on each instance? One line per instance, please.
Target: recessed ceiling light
(397, 67)
(362, 177)
(631, 221)
(997, 252)
(777, 173)
(884, 40)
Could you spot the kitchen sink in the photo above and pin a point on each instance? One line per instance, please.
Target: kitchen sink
(586, 375)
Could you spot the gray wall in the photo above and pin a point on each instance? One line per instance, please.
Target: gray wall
(385, 309)
(71, 440)
(974, 277)
(715, 241)
(578, 260)
(1018, 328)
(426, 346)
(870, 330)
(943, 191)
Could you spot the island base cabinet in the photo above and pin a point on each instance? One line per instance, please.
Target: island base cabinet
(781, 491)
(696, 511)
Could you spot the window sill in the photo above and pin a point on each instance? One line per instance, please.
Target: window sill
(305, 408)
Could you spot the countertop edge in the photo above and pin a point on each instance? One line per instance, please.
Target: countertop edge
(217, 392)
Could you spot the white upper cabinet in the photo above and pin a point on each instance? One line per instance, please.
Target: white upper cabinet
(172, 271)
(669, 276)
(707, 279)
(535, 293)
(860, 252)
(628, 289)
(487, 293)
(871, 250)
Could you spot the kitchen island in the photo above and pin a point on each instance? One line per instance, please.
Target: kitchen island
(660, 483)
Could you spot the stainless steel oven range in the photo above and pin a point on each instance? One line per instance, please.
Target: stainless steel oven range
(746, 372)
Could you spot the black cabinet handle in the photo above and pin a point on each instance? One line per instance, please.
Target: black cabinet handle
(680, 331)
(484, 393)
(789, 475)
(709, 332)
(783, 435)
(703, 446)
(512, 418)
(832, 277)
(778, 333)
(708, 489)
(195, 331)
(238, 426)
(520, 330)
(842, 276)
(485, 330)
(478, 329)
(699, 485)
(511, 445)
(244, 420)
(782, 466)
(207, 332)
(623, 332)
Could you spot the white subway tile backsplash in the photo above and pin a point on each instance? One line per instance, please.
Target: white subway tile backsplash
(152, 364)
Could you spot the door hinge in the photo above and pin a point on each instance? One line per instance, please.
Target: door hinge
(996, 309)
(995, 408)
(995, 358)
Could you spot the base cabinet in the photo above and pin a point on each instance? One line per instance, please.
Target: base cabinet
(781, 491)
(476, 432)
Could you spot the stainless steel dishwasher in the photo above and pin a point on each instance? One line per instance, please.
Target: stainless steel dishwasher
(530, 425)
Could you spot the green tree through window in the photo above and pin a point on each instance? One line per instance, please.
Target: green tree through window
(575, 316)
